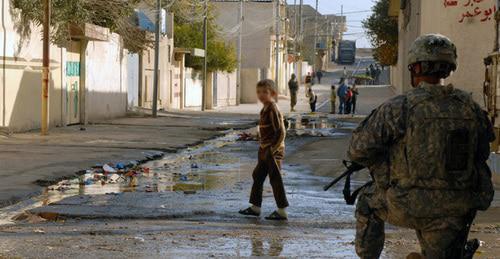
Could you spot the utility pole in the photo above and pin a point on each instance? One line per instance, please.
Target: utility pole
(316, 35)
(205, 45)
(278, 23)
(300, 41)
(157, 59)
(301, 22)
(295, 23)
(240, 40)
(46, 68)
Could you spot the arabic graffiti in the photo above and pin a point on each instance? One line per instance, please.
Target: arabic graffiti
(473, 9)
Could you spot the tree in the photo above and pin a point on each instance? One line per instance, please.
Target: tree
(113, 14)
(188, 31)
(383, 32)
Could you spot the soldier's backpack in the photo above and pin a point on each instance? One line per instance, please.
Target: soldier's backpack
(433, 166)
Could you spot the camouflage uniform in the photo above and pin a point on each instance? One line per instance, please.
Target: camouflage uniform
(427, 152)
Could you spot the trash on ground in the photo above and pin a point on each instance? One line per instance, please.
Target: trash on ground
(246, 137)
(108, 169)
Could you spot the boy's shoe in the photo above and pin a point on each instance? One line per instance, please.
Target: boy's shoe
(249, 212)
(276, 216)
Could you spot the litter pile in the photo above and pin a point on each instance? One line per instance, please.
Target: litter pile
(246, 137)
(121, 172)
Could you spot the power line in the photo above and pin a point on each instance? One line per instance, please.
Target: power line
(355, 12)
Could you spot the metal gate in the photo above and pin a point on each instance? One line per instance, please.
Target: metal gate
(73, 83)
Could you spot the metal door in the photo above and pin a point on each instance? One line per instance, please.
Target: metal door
(73, 83)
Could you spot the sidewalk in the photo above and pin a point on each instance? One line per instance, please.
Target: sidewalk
(371, 96)
(283, 103)
(30, 161)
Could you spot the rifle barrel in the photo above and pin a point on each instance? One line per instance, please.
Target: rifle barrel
(336, 180)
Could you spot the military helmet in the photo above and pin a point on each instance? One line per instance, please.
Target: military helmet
(436, 49)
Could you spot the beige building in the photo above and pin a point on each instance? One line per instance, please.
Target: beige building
(329, 31)
(469, 24)
(88, 80)
(258, 51)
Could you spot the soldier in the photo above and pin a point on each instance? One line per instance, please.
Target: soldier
(426, 151)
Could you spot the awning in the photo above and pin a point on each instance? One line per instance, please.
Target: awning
(89, 32)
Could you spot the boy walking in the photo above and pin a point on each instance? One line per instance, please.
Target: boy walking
(271, 153)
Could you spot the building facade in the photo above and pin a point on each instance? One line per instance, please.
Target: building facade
(469, 24)
(88, 79)
(256, 21)
(318, 33)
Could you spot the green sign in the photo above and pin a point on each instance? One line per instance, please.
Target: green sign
(72, 68)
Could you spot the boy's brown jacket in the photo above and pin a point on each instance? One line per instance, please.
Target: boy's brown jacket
(272, 131)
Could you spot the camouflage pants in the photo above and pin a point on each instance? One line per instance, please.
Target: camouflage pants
(438, 238)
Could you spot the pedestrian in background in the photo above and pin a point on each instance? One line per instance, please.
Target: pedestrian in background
(293, 85)
(348, 101)
(271, 153)
(313, 98)
(341, 93)
(373, 74)
(354, 98)
(308, 82)
(319, 75)
(333, 99)
(377, 74)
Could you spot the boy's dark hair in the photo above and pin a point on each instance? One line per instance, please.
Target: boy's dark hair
(268, 84)
(333, 86)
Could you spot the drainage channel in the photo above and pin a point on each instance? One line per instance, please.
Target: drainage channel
(211, 165)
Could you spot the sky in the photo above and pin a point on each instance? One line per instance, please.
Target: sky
(354, 27)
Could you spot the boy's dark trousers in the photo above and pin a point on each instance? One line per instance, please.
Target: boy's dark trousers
(313, 106)
(267, 164)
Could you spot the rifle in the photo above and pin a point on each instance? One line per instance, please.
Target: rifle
(352, 167)
(470, 246)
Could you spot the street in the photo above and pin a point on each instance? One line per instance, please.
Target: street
(185, 204)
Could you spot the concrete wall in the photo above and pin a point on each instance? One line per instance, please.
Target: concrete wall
(473, 37)
(258, 42)
(249, 79)
(147, 75)
(177, 85)
(256, 30)
(105, 79)
(132, 80)
(224, 89)
(20, 77)
(194, 87)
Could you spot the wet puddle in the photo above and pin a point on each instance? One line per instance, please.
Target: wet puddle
(211, 165)
(318, 126)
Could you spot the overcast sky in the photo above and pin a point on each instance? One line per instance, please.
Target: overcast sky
(354, 29)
